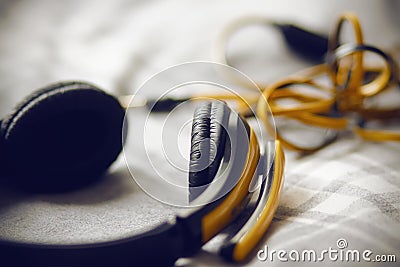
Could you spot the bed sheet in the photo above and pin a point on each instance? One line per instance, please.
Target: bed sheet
(349, 191)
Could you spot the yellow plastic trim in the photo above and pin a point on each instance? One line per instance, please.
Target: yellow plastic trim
(221, 216)
(253, 236)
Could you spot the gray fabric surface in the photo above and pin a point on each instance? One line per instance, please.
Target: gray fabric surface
(349, 190)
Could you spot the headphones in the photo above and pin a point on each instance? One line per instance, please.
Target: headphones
(337, 94)
(67, 134)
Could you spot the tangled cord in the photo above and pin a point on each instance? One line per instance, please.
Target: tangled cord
(335, 95)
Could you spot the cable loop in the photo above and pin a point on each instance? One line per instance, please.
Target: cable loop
(336, 94)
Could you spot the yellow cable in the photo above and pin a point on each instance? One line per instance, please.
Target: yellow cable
(377, 135)
(356, 65)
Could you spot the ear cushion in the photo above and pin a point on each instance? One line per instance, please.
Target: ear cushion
(207, 144)
(62, 137)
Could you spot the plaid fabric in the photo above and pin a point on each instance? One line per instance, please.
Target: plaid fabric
(349, 190)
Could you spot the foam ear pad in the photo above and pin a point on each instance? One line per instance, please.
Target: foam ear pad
(61, 137)
(207, 144)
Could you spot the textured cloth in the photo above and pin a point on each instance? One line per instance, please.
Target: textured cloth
(350, 190)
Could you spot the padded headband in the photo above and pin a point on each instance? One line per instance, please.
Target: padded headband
(61, 137)
(207, 144)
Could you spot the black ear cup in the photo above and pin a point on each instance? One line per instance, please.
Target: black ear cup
(207, 144)
(61, 137)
